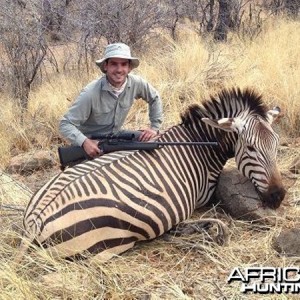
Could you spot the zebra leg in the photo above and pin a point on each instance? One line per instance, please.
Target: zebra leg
(200, 226)
(190, 228)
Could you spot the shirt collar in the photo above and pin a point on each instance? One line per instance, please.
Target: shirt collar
(116, 89)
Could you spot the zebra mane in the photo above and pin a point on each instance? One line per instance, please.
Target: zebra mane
(227, 103)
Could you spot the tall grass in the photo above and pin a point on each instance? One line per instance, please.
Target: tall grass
(184, 72)
(271, 64)
(191, 69)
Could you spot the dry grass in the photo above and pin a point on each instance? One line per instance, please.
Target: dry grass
(184, 268)
(184, 72)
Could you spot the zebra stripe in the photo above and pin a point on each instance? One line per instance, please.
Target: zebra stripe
(106, 205)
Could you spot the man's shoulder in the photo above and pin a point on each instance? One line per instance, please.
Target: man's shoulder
(91, 89)
(135, 78)
(95, 83)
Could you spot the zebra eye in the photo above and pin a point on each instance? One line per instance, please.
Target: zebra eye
(251, 149)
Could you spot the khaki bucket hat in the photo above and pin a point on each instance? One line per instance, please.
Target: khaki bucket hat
(118, 50)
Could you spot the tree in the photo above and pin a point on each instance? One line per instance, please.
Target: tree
(53, 14)
(292, 8)
(24, 46)
(224, 20)
(100, 22)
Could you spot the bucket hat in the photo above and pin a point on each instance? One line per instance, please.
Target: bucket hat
(118, 50)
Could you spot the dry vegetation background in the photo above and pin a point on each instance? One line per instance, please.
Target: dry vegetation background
(184, 71)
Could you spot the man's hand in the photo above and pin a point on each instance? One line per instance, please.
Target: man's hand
(91, 148)
(147, 134)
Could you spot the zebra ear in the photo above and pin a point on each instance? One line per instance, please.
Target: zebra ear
(227, 124)
(273, 114)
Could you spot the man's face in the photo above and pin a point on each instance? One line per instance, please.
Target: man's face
(117, 70)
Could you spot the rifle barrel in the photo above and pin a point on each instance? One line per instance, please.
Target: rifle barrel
(187, 143)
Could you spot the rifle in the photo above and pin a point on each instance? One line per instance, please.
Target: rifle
(72, 155)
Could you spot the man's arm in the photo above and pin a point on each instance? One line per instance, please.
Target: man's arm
(155, 108)
(152, 97)
(77, 114)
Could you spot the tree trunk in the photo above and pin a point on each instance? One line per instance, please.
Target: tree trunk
(210, 23)
(292, 8)
(224, 20)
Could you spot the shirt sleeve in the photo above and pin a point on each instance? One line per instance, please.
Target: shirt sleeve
(77, 114)
(152, 97)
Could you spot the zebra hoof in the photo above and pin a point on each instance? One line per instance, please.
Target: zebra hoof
(190, 228)
(213, 230)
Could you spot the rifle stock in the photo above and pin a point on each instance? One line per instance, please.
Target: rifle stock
(72, 155)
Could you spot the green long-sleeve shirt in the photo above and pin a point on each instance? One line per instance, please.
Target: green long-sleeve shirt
(98, 111)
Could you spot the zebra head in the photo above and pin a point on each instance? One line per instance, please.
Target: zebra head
(256, 151)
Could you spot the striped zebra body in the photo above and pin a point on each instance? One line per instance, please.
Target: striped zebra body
(106, 205)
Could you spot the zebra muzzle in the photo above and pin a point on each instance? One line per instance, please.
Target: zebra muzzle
(273, 197)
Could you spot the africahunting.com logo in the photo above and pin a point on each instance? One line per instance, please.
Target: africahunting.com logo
(267, 280)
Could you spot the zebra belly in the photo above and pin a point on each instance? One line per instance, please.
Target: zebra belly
(105, 240)
(97, 226)
(101, 210)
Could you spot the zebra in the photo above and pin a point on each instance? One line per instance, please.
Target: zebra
(106, 205)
